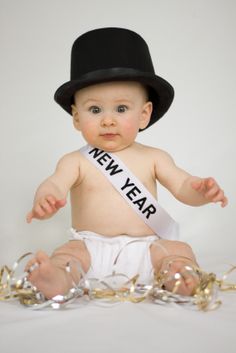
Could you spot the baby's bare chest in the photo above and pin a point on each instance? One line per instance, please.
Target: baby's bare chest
(131, 183)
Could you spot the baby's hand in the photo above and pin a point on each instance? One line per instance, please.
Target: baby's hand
(210, 190)
(45, 208)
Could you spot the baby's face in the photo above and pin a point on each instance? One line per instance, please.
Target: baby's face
(109, 115)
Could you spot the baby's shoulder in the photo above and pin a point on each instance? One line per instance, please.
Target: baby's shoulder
(152, 152)
(70, 159)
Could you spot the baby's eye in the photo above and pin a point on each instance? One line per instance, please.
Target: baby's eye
(94, 109)
(122, 108)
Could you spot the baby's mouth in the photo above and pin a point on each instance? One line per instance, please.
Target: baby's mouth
(109, 135)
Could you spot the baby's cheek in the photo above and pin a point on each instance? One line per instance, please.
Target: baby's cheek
(88, 126)
(88, 130)
(130, 129)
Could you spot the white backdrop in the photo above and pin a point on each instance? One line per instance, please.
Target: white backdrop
(192, 44)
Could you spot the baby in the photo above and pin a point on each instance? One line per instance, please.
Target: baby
(113, 94)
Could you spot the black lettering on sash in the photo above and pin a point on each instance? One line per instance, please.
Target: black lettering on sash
(140, 202)
(103, 158)
(127, 184)
(96, 152)
(133, 192)
(150, 210)
(113, 168)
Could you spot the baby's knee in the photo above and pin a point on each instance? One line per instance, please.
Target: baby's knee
(179, 248)
(72, 251)
(183, 249)
(177, 244)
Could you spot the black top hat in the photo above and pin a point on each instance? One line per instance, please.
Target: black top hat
(114, 54)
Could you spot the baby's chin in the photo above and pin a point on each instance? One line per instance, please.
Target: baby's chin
(111, 147)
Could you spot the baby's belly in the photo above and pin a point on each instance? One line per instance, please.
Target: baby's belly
(103, 210)
(109, 221)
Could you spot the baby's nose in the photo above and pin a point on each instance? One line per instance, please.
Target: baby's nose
(107, 120)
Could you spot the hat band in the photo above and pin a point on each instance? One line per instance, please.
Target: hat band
(125, 73)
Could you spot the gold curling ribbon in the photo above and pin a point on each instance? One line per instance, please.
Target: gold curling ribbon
(204, 296)
(127, 292)
(226, 286)
(16, 288)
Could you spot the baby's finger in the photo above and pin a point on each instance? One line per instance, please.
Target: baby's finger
(29, 217)
(210, 182)
(214, 190)
(220, 197)
(224, 202)
(51, 200)
(35, 213)
(47, 207)
(197, 185)
(38, 212)
(60, 203)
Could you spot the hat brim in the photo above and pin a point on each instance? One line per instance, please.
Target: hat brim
(161, 92)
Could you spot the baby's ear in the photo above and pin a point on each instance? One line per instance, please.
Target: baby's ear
(75, 116)
(145, 115)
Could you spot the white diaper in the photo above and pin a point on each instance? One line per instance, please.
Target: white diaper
(121, 254)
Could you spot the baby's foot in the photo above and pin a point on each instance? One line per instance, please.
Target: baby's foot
(46, 277)
(179, 275)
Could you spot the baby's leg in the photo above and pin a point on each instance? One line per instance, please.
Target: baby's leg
(50, 275)
(182, 255)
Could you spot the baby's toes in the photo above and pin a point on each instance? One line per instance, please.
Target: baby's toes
(31, 265)
(180, 278)
(41, 257)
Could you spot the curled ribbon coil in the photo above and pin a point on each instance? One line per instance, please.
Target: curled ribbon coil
(165, 289)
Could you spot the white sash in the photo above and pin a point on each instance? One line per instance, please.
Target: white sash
(133, 191)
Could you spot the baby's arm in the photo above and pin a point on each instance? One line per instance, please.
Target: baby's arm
(207, 189)
(51, 194)
(188, 189)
